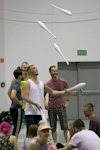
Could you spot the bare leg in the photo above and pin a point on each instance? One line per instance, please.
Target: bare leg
(65, 135)
(54, 135)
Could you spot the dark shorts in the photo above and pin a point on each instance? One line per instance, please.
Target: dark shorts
(32, 119)
(62, 114)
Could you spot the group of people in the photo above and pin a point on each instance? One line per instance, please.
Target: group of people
(34, 93)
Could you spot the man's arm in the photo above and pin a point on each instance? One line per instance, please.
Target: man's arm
(67, 147)
(26, 90)
(68, 97)
(46, 104)
(53, 92)
(14, 97)
(10, 87)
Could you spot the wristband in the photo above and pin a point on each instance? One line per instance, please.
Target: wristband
(63, 92)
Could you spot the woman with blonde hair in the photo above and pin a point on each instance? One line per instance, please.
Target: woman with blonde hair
(7, 141)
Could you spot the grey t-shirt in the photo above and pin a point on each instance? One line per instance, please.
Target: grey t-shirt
(28, 140)
(16, 86)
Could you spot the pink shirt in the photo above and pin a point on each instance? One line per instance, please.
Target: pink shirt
(58, 85)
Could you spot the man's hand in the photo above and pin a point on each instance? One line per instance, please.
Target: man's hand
(46, 107)
(38, 106)
(20, 103)
(67, 103)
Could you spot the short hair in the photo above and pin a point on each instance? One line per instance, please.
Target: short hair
(79, 124)
(24, 63)
(28, 69)
(17, 72)
(90, 106)
(32, 131)
(5, 127)
(51, 68)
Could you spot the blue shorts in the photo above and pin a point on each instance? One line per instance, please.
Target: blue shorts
(62, 114)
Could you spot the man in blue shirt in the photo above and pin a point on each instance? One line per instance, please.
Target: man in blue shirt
(16, 105)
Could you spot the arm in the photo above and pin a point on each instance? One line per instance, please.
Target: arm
(53, 92)
(68, 98)
(10, 87)
(45, 103)
(13, 141)
(26, 90)
(32, 145)
(14, 97)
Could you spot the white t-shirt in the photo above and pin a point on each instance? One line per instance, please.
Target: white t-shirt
(36, 94)
(85, 140)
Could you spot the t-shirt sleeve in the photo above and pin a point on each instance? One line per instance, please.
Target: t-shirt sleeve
(74, 141)
(66, 85)
(15, 87)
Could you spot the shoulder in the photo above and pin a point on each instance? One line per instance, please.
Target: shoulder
(32, 143)
(13, 139)
(60, 79)
(27, 83)
(49, 82)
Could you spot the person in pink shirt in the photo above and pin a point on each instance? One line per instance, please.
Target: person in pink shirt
(57, 105)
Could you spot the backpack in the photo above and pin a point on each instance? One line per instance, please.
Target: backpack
(5, 116)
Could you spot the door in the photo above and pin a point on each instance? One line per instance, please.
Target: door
(77, 72)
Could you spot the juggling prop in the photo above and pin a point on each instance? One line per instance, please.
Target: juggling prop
(43, 117)
(78, 86)
(44, 27)
(59, 51)
(63, 10)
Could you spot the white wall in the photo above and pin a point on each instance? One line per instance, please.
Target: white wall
(22, 39)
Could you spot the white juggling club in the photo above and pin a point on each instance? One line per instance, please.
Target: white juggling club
(77, 86)
(59, 51)
(44, 27)
(63, 10)
(43, 117)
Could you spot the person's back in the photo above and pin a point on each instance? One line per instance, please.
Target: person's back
(27, 141)
(85, 140)
(7, 141)
(95, 125)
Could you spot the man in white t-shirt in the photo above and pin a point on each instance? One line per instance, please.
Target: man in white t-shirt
(83, 139)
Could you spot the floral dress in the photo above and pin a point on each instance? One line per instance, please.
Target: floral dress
(5, 143)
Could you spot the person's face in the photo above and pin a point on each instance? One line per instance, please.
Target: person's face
(34, 70)
(86, 111)
(54, 72)
(20, 77)
(44, 133)
(24, 67)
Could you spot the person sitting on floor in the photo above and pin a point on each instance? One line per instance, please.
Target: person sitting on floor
(7, 141)
(32, 134)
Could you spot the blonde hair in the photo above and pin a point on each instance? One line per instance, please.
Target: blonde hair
(71, 130)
